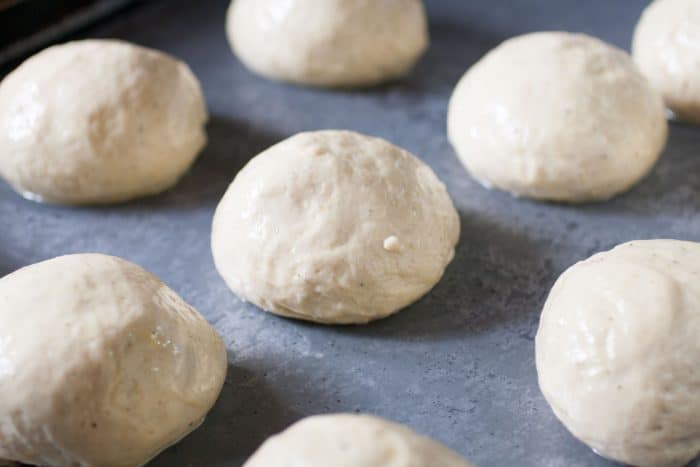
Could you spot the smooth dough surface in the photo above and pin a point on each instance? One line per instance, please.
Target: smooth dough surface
(618, 351)
(345, 440)
(667, 48)
(334, 227)
(99, 121)
(557, 116)
(101, 364)
(338, 43)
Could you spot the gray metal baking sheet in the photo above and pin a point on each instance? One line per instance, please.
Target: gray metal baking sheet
(459, 364)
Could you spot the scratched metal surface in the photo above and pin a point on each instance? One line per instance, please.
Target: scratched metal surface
(459, 364)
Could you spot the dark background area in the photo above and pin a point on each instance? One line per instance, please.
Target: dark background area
(459, 364)
(28, 25)
(22, 18)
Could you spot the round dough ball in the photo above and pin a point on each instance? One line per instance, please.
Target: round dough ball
(667, 48)
(334, 227)
(618, 351)
(100, 364)
(338, 43)
(99, 121)
(344, 440)
(557, 116)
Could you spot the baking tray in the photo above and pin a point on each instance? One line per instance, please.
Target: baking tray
(459, 364)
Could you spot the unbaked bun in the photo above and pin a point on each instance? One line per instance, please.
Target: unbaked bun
(618, 352)
(334, 227)
(101, 364)
(667, 48)
(98, 121)
(345, 440)
(339, 43)
(557, 116)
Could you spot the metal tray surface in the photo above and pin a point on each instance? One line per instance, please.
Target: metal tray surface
(459, 364)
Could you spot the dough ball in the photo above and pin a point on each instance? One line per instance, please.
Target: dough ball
(98, 121)
(557, 116)
(338, 43)
(344, 440)
(667, 48)
(101, 364)
(618, 352)
(334, 227)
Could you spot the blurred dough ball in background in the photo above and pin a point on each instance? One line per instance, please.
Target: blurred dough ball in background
(617, 352)
(334, 227)
(557, 116)
(101, 364)
(99, 121)
(667, 48)
(335, 43)
(345, 440)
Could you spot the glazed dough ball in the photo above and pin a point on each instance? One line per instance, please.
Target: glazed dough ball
(557, 116)
(667, 48)
(98, 121)
(101, 364)
(330, 42)
(334, 227)
(345, 440)
(618, 352)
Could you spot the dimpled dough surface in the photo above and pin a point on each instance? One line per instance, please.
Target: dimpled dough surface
(618, 350)
(667, 48)
(557, 116)
(329, 42)
(101, 364)
(99, 121)
(334, 227)
(345, 440)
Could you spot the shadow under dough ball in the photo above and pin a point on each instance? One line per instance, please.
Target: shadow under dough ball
(99, 121)
(557, 116)
(330, 43)
(666, 47)
(101, 364)
(334, 227)
(617, 352)
(350, 440)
